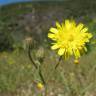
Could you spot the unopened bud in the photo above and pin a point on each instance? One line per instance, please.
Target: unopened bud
(76, 61)
(40, 53)
(40, 86)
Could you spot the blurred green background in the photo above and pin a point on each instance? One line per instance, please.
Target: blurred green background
(18, 77)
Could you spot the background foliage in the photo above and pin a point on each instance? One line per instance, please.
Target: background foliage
(18, 76)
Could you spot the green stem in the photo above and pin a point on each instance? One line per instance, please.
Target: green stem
(30, 57)
(41, 76)
(58, 62)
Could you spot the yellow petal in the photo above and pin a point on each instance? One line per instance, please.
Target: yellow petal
(77, 53)
(53, 30)
(56, 46)
(84, 30)
(70, 51)
(90, 35)
(79, 27)
(50, 35)
(73, 24)
(85, 49)
(67, 24)
(61, 51)
(66, 54)
(58, 25)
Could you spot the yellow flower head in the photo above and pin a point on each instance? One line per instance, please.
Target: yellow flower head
(69, 38)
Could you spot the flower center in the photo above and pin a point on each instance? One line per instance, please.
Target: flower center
(71, 38)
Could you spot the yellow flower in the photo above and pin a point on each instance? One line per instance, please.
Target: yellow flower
(69, 38)
(40, 86)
